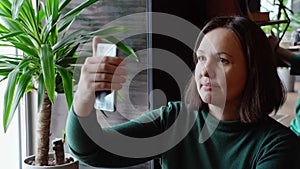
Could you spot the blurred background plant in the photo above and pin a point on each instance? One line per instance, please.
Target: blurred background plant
(281, 10)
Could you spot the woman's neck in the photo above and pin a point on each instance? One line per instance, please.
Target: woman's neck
(228, 112)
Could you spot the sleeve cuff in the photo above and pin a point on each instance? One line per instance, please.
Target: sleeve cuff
(76, 132)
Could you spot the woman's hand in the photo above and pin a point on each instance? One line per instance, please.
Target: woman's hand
(97, 74)
(273, 40)
(283, 54)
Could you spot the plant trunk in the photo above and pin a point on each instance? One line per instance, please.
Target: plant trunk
(58, 147)
(43, 132)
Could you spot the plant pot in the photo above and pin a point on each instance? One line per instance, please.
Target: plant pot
(286, 78)
(71, 165)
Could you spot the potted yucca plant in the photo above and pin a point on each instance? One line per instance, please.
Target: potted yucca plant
(41, 31)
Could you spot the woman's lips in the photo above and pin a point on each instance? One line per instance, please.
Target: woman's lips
(209, 86)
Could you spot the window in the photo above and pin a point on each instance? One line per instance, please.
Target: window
(12, 144)
(268, 6)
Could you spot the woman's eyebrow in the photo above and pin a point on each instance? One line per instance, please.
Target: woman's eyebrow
(224, 53)
(198, 52)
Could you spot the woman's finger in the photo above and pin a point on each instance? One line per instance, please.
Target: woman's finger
(272, 33)
(105, 77)
(104, 86)
(96, 40)
(106, 59)
(104, 68)
(114, 60)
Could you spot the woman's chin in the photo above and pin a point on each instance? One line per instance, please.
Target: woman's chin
(206, 99)
(214, 100)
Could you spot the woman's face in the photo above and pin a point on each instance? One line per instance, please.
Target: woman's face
(221, 71)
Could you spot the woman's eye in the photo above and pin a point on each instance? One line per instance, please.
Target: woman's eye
(223, 60)
(201, 58)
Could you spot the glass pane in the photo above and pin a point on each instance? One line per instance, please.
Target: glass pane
(9, 141)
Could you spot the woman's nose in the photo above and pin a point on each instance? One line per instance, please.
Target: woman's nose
(204, 72)
(208, 69)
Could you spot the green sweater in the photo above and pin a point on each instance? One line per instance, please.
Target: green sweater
(265, 144)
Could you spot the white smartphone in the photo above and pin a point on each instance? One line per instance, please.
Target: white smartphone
(106, 100)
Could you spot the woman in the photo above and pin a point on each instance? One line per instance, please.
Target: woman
(293, 60)
(223, 121)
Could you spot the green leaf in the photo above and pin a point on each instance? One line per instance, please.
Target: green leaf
(9, 101)
(5, 8)
(3, 29)
(28, 19)
(48, 70)
(63, 4)
(126, 49)
(40, 16)
(46, 31)
(67, 84)
(103, 112)
(69, 17)
(119, 96)
(3, 78)
(53, 20)
(68, 58)
(23, 82)
(41, 92)
(65, 41)
(65, 24)
(5, 72)
(16, 8)
(9, 35)
(30, 87)
(68, 53)
(9, 97)
(55, 6)
(67, 62)
(30, 51)
(11, 24)
(9, 63)
(8, 59)
(74, 12)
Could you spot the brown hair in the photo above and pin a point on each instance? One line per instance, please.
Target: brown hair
(263, 92)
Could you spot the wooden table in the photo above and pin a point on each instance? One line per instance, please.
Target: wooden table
(287, 112)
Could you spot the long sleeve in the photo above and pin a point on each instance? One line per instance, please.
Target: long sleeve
(95, 146)
(84, 140)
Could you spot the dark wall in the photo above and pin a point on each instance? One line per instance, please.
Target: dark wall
(191, 10)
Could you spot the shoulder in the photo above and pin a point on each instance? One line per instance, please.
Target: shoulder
(278, 142)
(176, 111)
(175, 108)
(278, 136)
(272, 128)
(171, 108)
(171, 111)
